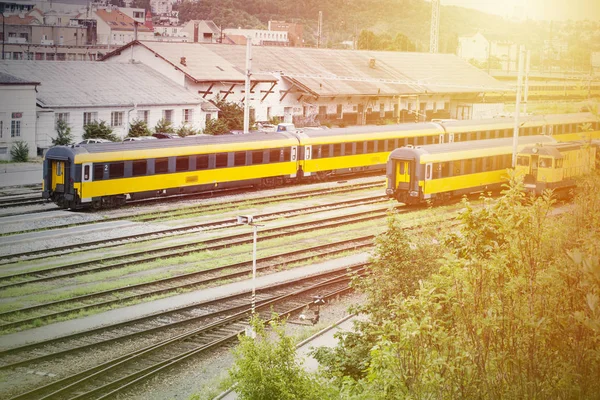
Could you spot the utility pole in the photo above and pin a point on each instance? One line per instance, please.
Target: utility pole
(3, 34)
(526, 93)
(435, 26)
(517, 107)
(247, 84)
(319, 29)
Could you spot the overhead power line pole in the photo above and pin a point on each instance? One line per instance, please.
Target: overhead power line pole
(435, 27)
(320, 29)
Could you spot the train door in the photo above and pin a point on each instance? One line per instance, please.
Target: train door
(534, 165)
(403, 171)
(57, 183)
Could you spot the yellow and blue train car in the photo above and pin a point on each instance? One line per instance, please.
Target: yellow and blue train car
(108, 174)
(555, 166)
(331, 152)
(440, 172)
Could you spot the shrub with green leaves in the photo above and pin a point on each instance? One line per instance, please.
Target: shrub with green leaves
(216, 127)
(164, 126)
(138, 128)
(267, 368)
(64, 136)
(19, 152)
(99, 130)
(186, 130)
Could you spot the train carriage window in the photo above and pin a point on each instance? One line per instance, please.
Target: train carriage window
(348, 149)
(391, 145)
(86, 173)
(59, 168)
(182, 164)
(437, 169)
(316, 152)
(428, 172)
(138, 168)
(445, 170)
(257, 157)
(221, 160)
(337, 149)
(274, 155)
(116, 170)
(161, 166)
(545, 162)
(326, 151)
(381, 146)
(239, 158)
(370, 146)
(559, 163)
(401, 168)
(287, 154)
(523, 161)
(98, 172)
(202, 162)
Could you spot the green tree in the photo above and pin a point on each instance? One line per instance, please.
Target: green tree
(267, 369)
(19, 152)
(232, 114)
(186, 130)
(367, 40)
(99, 130)
(216, 127)
(164, 126)
(139, 128)
(63, 131)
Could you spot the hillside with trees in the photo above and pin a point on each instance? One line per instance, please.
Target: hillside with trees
(346, 20)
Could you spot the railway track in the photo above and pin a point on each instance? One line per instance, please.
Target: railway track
(183, 230)
(21, 200)
(153, 216)
(216, 328)
(187, 281)
(135, 257)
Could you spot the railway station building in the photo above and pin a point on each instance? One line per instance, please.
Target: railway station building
(80, 92)
(308, 86)
(17, 113)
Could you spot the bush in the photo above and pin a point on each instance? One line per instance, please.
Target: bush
(267, 369)
(186, 130)
(216, 127)
(139, 128)
(164, 126)
(99, 130)
(20, 151)
(64, 137)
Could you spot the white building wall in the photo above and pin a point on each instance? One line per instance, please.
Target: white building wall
(130, 114)
(143, 56)
(260, 35)
(15, 100)
(473, 47)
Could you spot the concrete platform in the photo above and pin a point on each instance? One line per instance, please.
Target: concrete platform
(20, 174)
(61, 329)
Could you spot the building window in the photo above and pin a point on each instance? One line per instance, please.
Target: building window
(15, 128)
(116, 118)
(24, 35)
(138, 14)
(142, 115)
(1, 129)
(89, 117)
(187, 115)
(62, 117)
(208, 117)
(168, 115)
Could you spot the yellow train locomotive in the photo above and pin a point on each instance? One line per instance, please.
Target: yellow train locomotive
(556, 165)
(440, 172)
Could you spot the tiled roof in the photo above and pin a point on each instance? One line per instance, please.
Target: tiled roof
(119, 21)
(16, 20)
(98, 84)
(7, 79)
